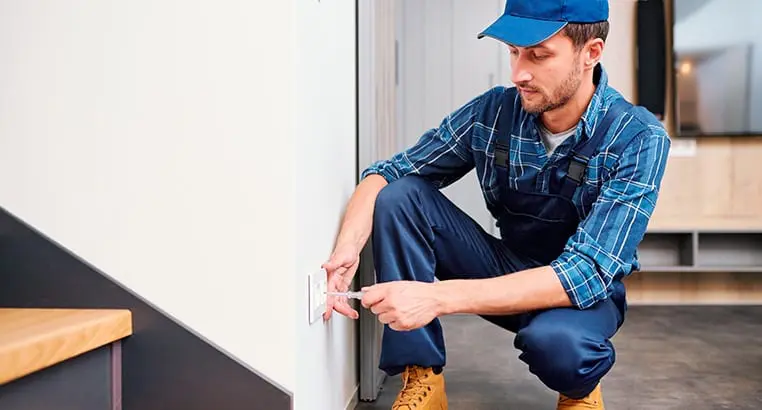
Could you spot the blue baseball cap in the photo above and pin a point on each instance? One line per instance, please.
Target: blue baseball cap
(526, 23)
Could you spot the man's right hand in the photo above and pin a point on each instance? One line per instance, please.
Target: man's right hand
(341, 268)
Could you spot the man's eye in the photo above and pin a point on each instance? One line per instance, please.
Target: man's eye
(540, 56)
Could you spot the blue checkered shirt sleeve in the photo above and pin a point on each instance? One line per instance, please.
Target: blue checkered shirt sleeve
(442, 154)
(604, 244)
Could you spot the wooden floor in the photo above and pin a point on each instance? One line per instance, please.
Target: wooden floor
(668, 358)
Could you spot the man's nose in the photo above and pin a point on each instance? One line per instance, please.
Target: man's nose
(519, 75)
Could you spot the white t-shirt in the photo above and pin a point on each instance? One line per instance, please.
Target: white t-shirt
(552, 141)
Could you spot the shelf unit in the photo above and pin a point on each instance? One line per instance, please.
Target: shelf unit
(701, 251)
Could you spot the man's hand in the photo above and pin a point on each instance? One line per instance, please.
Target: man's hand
(403, 305)
(341, 268)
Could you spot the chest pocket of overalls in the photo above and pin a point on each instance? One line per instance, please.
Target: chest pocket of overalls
(538, 225)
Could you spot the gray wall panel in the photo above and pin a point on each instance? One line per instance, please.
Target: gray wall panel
(80, 383)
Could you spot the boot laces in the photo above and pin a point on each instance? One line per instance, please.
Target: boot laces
(414, 389)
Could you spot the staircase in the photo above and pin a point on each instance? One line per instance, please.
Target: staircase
(62, 358)
(69, 359)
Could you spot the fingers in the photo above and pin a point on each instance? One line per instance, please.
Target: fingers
(338, 272)
(399, 326)
(394, 321)
(328, 310)
(332, 264)
(387, 318)
(341, 259)
(381, 307)
(373, 295)
(335, 284)
(340, 269)
(340, 305)
(346, 310)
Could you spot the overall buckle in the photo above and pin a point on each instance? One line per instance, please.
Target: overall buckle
(501, 155)
(577, 167)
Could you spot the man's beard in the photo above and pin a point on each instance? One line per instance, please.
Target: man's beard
(560, 96)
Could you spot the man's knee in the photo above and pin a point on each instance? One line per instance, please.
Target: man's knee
(565, 358)
(400, 193)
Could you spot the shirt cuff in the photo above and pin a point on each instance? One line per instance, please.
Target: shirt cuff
(582, 283)
(381, 168)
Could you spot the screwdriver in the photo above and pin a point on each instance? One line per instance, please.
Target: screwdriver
(350, 295)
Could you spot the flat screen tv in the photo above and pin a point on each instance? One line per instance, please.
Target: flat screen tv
(717, 49)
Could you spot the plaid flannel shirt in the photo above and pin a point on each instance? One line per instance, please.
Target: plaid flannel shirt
(615, 203)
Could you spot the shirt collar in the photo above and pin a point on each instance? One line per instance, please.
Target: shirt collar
(591, 117)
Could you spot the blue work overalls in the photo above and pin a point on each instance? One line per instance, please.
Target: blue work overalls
(419, 234)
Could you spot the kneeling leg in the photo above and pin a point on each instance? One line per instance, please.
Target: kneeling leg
(569, 349)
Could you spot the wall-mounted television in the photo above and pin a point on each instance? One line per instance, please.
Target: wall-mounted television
(717, 49)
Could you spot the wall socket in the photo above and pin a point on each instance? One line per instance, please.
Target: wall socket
(317, 283)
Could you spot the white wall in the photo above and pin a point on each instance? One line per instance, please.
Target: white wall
(325, 178)
(619, 53)
(153, 138)
(730, 23)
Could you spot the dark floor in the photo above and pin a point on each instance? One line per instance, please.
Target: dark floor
(668, 358)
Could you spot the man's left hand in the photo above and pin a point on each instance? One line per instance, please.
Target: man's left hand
(403, 305)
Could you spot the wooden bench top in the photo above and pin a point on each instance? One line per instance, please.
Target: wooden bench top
(33, 339)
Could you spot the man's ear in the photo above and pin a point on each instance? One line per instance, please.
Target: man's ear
(593, 52)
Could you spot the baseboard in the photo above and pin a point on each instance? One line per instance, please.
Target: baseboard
(353, 399)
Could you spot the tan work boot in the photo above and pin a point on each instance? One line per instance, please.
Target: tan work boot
(421, 389)
(593, 401)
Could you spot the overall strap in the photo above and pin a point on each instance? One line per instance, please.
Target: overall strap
(582, 153)
(503, 139)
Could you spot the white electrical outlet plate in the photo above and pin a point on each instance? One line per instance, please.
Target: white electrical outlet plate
(317, 283)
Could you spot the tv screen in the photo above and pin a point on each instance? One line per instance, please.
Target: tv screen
(718, 66)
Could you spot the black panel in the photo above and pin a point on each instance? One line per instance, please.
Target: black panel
(652, 56)
(80, 383)
(165, 366)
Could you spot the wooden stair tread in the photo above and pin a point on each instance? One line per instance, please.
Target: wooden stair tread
(33, 339)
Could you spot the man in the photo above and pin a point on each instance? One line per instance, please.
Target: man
(571, 172)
